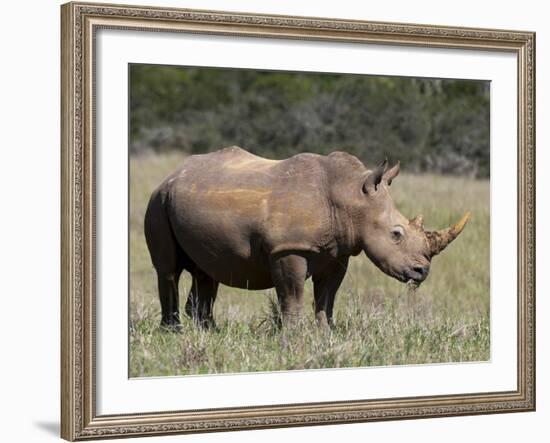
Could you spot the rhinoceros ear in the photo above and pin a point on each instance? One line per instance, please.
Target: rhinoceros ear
(391, 173)
(375, 177)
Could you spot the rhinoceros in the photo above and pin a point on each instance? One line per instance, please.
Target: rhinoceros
(235, 218)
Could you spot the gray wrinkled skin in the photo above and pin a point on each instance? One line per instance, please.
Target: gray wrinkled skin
(235, 218)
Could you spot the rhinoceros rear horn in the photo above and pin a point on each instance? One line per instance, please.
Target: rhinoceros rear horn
(375, 177)
(439, 240)
(418, 221)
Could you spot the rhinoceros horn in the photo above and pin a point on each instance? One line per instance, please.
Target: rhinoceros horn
(439, 240)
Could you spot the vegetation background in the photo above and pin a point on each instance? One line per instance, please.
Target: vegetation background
(439, 129)
(433, 125)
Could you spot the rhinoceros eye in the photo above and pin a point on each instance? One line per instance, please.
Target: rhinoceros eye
(397, 234)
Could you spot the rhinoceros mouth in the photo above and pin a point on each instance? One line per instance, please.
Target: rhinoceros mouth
(407, 278)
(417, 273)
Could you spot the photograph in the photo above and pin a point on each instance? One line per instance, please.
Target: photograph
(286, 220)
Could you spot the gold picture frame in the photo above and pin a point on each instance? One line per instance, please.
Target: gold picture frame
(79, 22)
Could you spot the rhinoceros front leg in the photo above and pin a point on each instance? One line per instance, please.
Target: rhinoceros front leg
(289, 274)
(325, 286)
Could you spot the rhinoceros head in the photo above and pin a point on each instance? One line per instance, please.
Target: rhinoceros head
(400, 247)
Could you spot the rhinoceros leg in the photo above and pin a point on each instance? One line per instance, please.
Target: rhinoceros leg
(289, 274)
(200, 302)
(325, 287)
(169, 299)
(168, 260)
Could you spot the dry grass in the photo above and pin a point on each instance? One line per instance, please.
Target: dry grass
(377, 321)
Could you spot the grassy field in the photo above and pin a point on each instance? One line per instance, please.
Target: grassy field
(377, 321)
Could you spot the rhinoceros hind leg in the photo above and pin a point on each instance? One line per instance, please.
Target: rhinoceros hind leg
(168, 259)
(200, 302)
(169, 300)
(325, 287)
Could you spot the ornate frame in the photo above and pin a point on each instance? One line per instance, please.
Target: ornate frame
(79, 420)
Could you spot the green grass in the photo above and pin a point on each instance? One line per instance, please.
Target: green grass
(377, 322)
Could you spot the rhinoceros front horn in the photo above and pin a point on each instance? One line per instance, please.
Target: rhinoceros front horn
(439, 240)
